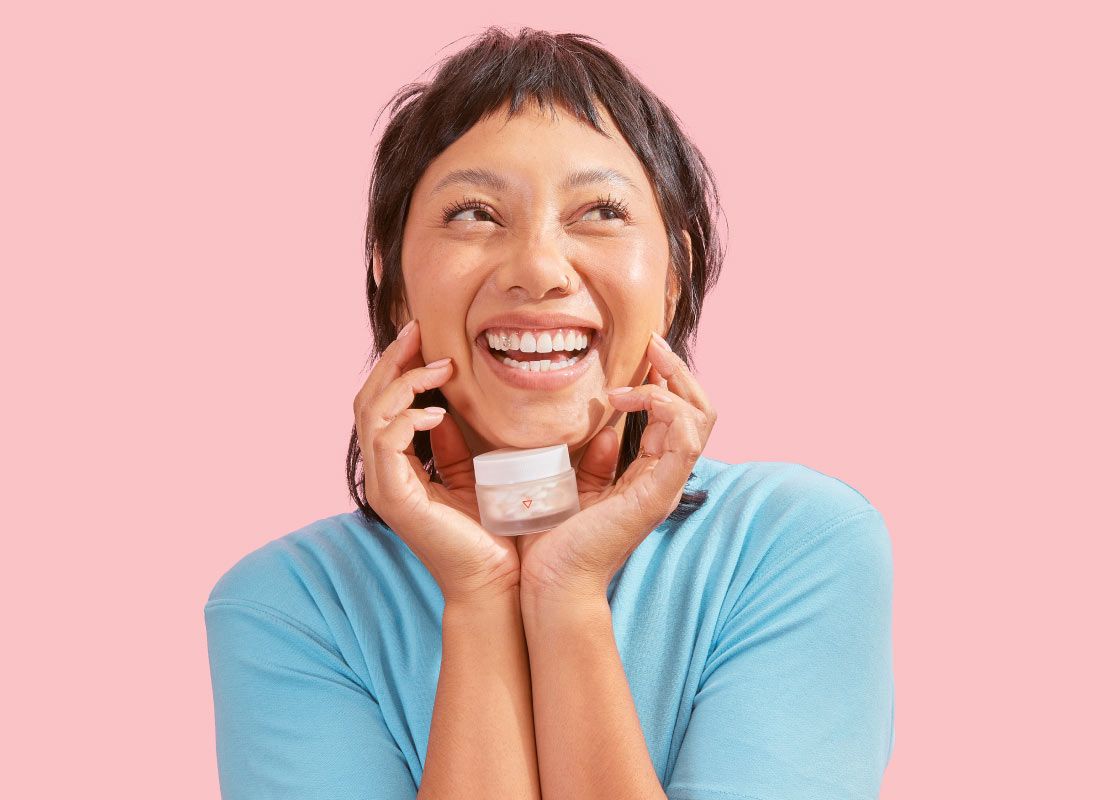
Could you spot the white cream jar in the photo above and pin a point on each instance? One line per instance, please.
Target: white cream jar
(525, 491)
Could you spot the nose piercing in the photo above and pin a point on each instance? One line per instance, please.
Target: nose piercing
(568, 283)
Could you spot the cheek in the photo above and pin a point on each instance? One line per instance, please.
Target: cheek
(636, 307)
(433, 265)
(441, 284)
(630, 272)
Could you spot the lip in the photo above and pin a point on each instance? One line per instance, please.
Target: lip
(551, 380)
(542, 321)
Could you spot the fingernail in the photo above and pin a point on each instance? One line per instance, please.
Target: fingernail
(435, 410)
(620, 390)
(657, 338)
(406, 329)
(438, 364)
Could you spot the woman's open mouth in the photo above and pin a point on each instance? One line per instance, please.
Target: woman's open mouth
(534, 359)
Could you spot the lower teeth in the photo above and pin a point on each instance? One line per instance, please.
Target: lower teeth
(540, 365)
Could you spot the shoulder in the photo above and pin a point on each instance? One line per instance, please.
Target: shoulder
(764, 489)
(267, 573)
(792, 544)
(310, 575)
(773, 511)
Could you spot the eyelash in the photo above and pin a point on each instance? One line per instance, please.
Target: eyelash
(615, 205)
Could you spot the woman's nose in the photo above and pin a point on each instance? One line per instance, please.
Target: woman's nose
(534, 269)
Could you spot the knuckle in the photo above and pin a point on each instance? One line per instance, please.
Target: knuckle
(379, 446)
(377, 424)
(385, 420)
(426, 376)
(691, 441)
(414, 379)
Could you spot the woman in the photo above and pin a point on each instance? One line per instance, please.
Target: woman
(698, 630)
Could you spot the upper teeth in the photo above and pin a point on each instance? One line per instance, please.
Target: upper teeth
(537, 341)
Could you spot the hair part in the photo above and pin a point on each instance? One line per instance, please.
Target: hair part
(572, 71)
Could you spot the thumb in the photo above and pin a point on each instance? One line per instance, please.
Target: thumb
(452, 456)
(595, 471)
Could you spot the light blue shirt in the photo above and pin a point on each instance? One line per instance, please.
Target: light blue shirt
(755, 636)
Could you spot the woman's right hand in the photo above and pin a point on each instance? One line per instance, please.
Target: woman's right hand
(438, 522)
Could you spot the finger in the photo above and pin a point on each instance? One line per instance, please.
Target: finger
(452, 456)
(682, 446)
(381, 410)
(677, 376)
(659, 403)
(655, 377)
(650, 448)
(595, 471)
(686, 429)
(396, 472)
(401, 393)
(653, 437)
(402, 353)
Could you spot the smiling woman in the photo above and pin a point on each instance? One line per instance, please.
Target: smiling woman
(540, 243)
(551, 144)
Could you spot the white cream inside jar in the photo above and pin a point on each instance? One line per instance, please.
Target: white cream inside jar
(525, 490)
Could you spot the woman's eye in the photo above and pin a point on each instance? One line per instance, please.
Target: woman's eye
(611, 212)
(456, 216)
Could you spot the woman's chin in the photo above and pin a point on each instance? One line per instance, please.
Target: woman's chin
(540, 438)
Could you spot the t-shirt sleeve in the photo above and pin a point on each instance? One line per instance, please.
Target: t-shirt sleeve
(796, 700)
(292, 720)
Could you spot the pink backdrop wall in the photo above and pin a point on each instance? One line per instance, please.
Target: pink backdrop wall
(923, 207)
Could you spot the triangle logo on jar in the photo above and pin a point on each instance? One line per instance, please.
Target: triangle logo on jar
(528, 501)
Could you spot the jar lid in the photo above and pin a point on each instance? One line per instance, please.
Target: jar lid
(515, 465)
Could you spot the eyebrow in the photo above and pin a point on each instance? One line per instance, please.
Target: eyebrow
(495, 182)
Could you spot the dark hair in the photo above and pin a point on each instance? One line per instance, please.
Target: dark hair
(570, 70)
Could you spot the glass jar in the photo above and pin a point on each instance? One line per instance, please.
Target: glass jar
(525, 490)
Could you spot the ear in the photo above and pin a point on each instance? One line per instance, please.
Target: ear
(401, 312)
(377, 270)
(673, 286)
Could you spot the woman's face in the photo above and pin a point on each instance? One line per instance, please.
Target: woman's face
(493, 257)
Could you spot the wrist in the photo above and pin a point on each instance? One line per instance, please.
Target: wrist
(553, 607)
(584, 588)
(483, 604)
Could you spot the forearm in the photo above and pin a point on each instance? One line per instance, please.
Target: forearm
(589, 737)
(481, 742)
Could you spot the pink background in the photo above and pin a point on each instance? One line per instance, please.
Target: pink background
(923, 207)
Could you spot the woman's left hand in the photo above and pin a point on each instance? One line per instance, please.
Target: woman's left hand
(578, 558)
